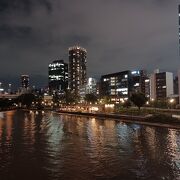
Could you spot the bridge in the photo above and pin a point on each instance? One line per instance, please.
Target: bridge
(9, 96)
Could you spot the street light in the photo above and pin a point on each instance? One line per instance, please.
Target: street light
(0, 87)
(171, 101)
(9, 90)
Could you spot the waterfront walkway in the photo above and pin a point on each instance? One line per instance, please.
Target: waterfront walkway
(144, 120)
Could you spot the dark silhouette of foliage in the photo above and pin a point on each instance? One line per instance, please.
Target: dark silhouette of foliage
(26, 99)
(127, 104)
(90, 98)
(138, 99)
(106, 100)
(70, 98)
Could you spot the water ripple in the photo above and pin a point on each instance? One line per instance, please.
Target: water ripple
(52, 146)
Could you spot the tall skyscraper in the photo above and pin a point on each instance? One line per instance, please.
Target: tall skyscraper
(58, 75)
(25, 81)
(77, 68)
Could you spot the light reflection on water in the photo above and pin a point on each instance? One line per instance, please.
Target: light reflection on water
(52, 146)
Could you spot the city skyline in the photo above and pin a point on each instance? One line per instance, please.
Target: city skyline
(89, 89)
(117, 40)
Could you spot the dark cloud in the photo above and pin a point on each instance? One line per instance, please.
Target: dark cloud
(118, 34)
(14, 32)
(26, 6)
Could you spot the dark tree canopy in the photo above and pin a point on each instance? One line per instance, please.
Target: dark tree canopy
(138, 99)
(90, 98)
(26, 99)
(106, 100)
(70, 98)
(127, 104)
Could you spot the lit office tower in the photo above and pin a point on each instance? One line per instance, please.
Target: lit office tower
(116, 86)
(77, 68)
(25, 81)
(58, 75)
(139, 81)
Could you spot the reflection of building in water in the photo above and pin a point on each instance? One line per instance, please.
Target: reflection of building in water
(1, 123)
(1, 115)
(128, 134)
(101, 133)
(150, 137)
(94, 129)
(173, 146)
(8, 124)
(162, 142)
(29, 126)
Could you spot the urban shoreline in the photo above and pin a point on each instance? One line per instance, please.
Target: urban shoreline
(143, 120)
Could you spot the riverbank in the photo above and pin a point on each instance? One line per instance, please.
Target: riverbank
(154, 120)
(157, 120)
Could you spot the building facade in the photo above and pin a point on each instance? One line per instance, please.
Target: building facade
(120, 86)
(24, 81)
(77, 68)
(176, 88)
(147, 87)
(58, 76)
(161, 85)
(138, 78)
(89, 88)
(116, 86)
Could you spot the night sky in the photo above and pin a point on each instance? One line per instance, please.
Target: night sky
(118, 35)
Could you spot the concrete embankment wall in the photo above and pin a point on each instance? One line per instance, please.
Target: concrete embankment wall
(143, 120)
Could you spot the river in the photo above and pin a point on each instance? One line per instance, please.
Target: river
(51, 146)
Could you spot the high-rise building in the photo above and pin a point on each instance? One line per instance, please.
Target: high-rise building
(120, 86)
(117, 86)
(77, 68)
(89, 88)
(161, 85)
(179, 84)
(147, 87)
(138, 78)
(25, 81)
(176, 88)
(58, 76)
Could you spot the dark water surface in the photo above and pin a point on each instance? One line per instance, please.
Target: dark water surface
(52, 146)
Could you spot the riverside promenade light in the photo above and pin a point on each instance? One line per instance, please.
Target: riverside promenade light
(109, 105)
(147, 103)
(171, 101)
